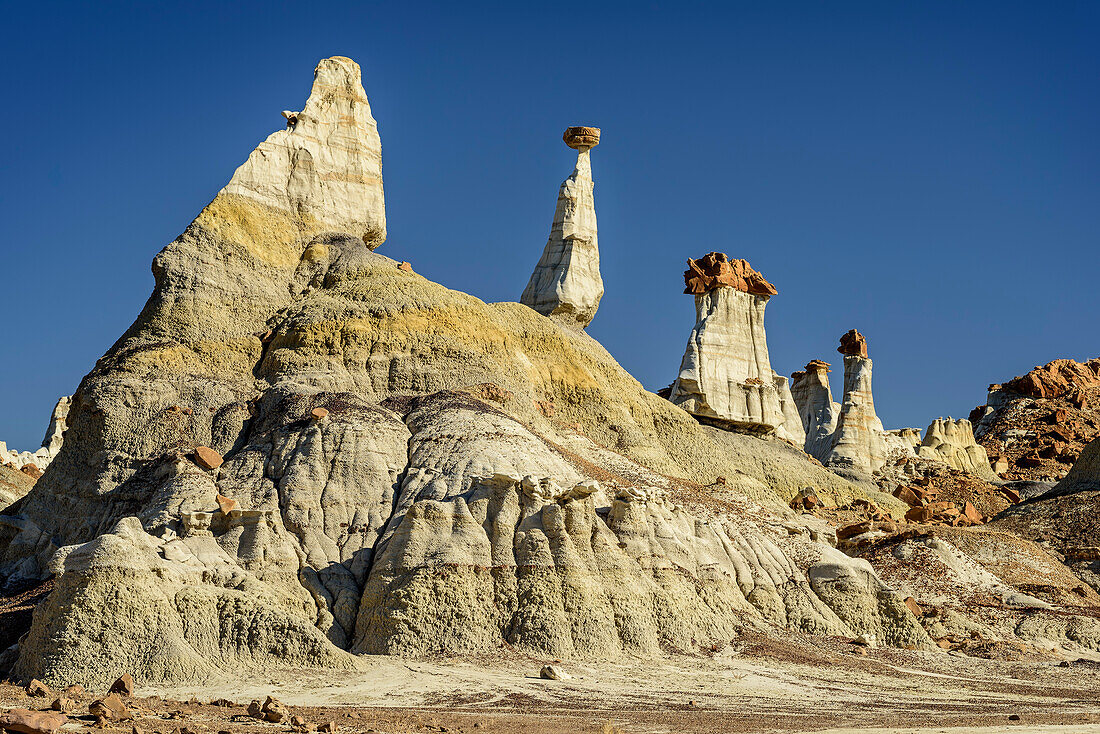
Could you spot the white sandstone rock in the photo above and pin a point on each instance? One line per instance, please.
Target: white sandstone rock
(952, 442)
(326, 166)
(51, 444)
(818, 412)
(859, 442)
(726, 374)
(566, 281)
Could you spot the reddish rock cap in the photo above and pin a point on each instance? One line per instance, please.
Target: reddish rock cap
(581, 138)
(853, 344)
(716, 270)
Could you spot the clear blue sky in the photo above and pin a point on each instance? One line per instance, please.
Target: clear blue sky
(926, 172)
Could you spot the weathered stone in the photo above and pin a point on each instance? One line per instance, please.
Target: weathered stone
(226, 505)
(124, 686)
(716, 270)
(819, 414)
(37, 689)
(952, 442)
(859, 441)
(553, 672)
(566, 281)
(853, 344)
(24, 721)
(581, 138)
(325, 168)
(405, 266)
(110, 707)
(318, 414)
(726, 374)
(207, 457)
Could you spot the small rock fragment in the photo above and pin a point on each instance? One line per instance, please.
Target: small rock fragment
(553, 672)
(64, 705)
(318, 414)
(406, 267)
(110, 707)
(329, 727)
(207, 457)
(225, 504)
(124, 686)
(37, 689)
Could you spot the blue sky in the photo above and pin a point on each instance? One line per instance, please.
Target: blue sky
(925, 172)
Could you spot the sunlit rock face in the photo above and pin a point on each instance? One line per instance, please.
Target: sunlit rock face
(326, 166)
(566, 282)
(952, 442)
(859, 441)
(726, 375)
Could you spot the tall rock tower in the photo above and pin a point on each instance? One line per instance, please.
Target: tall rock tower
(726, 375)
(566, 281)
(859, 442)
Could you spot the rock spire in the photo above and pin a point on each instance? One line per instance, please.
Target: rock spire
(811, 393)
(325, 168)
(726, 375)
(566, 281)
(859, 442)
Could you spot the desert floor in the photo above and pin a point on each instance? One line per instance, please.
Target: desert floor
(801, 685)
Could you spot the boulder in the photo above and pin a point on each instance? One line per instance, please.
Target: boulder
(207, 457)
(566, 282)
(24, 721)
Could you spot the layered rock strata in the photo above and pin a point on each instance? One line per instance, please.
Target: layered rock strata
(300, 451)
(811, 393)
(325, 169)
(566, 281)
(858, 443)
(726, 375)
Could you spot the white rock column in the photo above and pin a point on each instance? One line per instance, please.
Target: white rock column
(859, 442)
(726, 375)
(566, 281)
(817, 411)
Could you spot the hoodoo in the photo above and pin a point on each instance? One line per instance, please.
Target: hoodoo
(859, 442)
(814, 398)
(726, 375)
(566, 281)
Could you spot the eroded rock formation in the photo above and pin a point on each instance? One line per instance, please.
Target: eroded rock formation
(324, 171)
(811, 393)
(1033, 427)
(51, 444)
(952, 442)
(300, 451)
(726, 375)
(859, 442)
(566, 281)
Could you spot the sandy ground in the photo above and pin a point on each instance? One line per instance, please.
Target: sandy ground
(808, 685)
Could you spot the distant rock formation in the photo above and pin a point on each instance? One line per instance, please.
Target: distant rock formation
(952, 442)
(814, 398)
(1034, 427)
(325, 168)
(859, 442)
(726, 375)
(51, 444)
(566, 281)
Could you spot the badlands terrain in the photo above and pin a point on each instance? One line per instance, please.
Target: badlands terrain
(306, 472)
